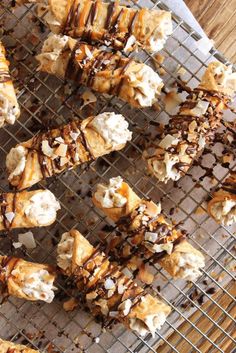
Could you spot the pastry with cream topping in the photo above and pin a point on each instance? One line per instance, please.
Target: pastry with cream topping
(194, 126)
(66, 147)
(103, 71)
(145, 232)
(9, 108)
(109, 24)
(27, 280)
(107, 291)
(10, 347)
(28, 209)
(222, 206)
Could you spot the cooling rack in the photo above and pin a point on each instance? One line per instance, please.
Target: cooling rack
(46, 102)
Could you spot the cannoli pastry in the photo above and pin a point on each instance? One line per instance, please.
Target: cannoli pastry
(27, 280)
(145, 231)
(103, 71)
(10, 347)
(9, 108)
(63, 148)
(107, 291)
(194, 126)
(108, 23)
(222, 206)
(28, 209)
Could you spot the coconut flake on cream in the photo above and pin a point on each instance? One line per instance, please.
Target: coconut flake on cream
(224, 212)
(113, 128)
(15, 161)
(165, 169)
(151, 323)
(39, 285)
(147, 84)
(108, 194)
(64, 251)
(189, 266)
(8, 112)
(51, 52)
(43, 208)
(158, 38)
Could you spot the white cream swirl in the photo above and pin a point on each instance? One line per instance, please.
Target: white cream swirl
(147, 84)
(113, 128)
(15, 161)
(43, 208)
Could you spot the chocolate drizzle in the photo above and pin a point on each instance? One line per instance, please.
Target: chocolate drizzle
(229, 184)
(85, 70)
(51, 165)
(188, 134)
(135, 237)
(3, 201)
(95, 262)
(111, 31)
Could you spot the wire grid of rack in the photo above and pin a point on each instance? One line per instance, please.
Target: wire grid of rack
(47, 101)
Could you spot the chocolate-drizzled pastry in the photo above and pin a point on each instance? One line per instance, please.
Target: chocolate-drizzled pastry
(10, 347)
(103, 71)
(26, 280)
(63, 148)
(194, 126)
(28, 209)
(108, 23)
(145, 231)
(222, 206)
(106, 290)
(9, 108)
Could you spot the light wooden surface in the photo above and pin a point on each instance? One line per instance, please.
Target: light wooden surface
(218, 19)
(205, 325)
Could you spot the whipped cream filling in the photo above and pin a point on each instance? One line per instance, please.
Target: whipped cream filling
(51, 52)
(113, 128)
(151, 323)
(64, 251)
(108, 195)
(15, 161)
(8, 112)
(38, 285)
(147, 84)
(43, 208)
(189, 266)
(224, 212)
(159, 37)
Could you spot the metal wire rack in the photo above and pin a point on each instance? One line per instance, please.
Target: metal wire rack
(47, 101)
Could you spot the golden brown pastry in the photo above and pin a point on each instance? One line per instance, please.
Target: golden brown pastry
(146, 232)
(28, 209)
(9, 108)
(106, 290)
(107, 23)
(27, 280)
(78, 142)
(222, 206)
(194, 126)
(103, 71)
(10, 347)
